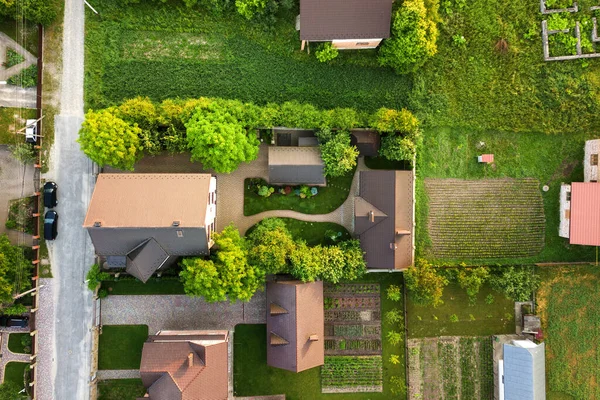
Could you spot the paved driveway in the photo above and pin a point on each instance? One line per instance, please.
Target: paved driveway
(180, 312)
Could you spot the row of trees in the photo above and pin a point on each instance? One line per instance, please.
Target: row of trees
(426, 283)
(238, 266)
(222, 133)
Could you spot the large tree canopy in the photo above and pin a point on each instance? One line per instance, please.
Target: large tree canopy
(424, 283)
(15, 271)
(37, 11)
(338, 155)
(272, 245)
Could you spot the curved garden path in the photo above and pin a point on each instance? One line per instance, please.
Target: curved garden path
(230, 198)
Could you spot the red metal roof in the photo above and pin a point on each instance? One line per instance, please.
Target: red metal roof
(585, 213)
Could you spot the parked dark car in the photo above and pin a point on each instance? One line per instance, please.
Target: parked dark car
(20, 322)
(50, 190)
(51, 225)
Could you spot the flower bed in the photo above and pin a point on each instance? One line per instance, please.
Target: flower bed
(352, 374)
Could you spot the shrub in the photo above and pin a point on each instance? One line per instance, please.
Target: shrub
(392, 121)
(454, 318)
(26, 341)
(271, 245)
(397, 148)
(394, 337)
(102, 293)
(393, 316)
(338, 155)
(489, 299)
(517, 283)
(23, 152)
(26, 78)
(424, 283)
(394, 359)
(12, 58)
(95, 277)
(265, 191)
(326, 52)
(14, 309)
(394, 293)
(397, 385)
(413, 39)
(471, 279)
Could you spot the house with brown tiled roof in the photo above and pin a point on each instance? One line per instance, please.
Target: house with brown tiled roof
(348, 24)
(579, 204)
(295, 325)
(144, 222)
(383, 218)
(186, 365)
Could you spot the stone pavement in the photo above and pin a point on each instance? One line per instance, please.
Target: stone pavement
(180, 312)
(8, 356)
(45, 324)
(118, 374)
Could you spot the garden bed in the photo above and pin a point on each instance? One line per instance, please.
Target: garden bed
(20, 215)
(326, 199)
(352, 374)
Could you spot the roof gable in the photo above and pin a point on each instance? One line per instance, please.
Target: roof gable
(144, 260)
(585, 214)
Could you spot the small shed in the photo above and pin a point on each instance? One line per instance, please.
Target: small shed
(524, 371)
(296, 166)
(367, 142)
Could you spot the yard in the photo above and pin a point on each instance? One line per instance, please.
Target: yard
(568, 306)
(19, 343)
(120, 346)
(15, 372)
(20, 215)
(314, 233)
(11, 120)
(479, 319)
(252, 376)
(327, 199)
(451, 367)
(549, 159)
(121, 389)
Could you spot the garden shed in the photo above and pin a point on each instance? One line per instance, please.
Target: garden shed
(366, 141)
(348, 24)
(296, 166)
(584, 213)
(523, 371)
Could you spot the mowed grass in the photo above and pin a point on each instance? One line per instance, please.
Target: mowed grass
(121, 346)
(551, 159)
(11, 120)
(15, 372)
(121, 389)
(163, 285)
(313, 233)
(486, 218)
(328, 198)
(568, 306)
(479, 319)
(14, 342)
(252, 376)
(168, 50)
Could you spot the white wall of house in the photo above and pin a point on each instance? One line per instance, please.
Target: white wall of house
(590, 162)
(565, 211)
(356, 44)
(211, 210)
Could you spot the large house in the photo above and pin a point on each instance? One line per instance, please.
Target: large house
(186, 365)
(348, 24)
(144, 222)
(296, 165)
(295, 325)
(383, 219)
(579, 204)
(522, 371)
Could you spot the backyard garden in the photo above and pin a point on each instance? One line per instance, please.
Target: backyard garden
(364, 356)
(567, 302)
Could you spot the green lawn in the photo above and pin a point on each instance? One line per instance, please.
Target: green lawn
(327, 199)
(121, 389)
(120, 346)
(15, 372)
(568, 306)
(313, 233)
(489, 319)
(551, 159)
(252, 376)
(163, 285)
(15, 342)
(8, 123)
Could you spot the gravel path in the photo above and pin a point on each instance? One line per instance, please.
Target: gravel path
(180, 312)
(8, 356)
(44, 321)
(118, 374)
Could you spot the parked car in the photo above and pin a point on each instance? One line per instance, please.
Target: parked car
(51, 225)
(31, 131)
(50, 198)
(20, 322)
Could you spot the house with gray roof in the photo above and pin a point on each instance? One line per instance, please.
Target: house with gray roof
(296, 165)
(522, 371)
(383, 218)
(144, 222)
(295, 325)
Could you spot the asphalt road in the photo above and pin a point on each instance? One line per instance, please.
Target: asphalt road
(72, 252)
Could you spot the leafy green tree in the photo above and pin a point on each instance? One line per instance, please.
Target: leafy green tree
(227, 275)
(36, 11)
(338, 155)
(391, 121)
(11, 391)
(472, 279)
(108, 140)
(95, 277)
(413, 39)
(397, 148)
(15, 271)
(306, 263)
(517, 283)
(219, 140)
(355, 265)
(141, 111)
(425, 284)
(271, 245)
(250, 8)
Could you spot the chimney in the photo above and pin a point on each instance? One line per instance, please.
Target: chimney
(190, 360)
(176, 223)
(314, 338)
(97, 224)
(372, 216)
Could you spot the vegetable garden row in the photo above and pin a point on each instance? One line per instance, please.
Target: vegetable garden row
(352, 374)
(500, 218)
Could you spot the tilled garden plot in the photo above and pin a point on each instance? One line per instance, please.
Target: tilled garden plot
(450, 368)
(352, 339)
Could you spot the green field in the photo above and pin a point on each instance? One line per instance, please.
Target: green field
(551, 159)
(252, 376)
(121, 389)
(121, 346)
(568, 305)
(479, 319)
